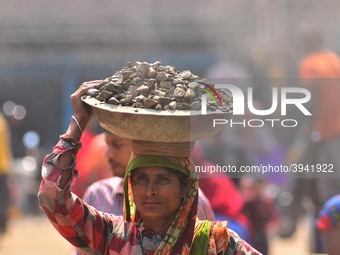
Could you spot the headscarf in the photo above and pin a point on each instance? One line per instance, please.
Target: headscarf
(186, 233)
(329, 217)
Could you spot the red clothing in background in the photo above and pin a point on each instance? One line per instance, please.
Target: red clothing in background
(322, 70)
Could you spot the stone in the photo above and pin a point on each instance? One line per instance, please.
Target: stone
(142, 70)
(104, 95)
(160, 93)
(117, 78)
(138, 80)
(110, 86)
(150, 103)
(176, 81)
(158, 107)
(173, 105)
(193, 85)
(193, 78)
(117, 88)
(189, 95)
(127, 100)
(113, 100)
(165, 100)
(140, 98)
(126, 74)
(186, 74)
(139, 105)
(155, 64)
(166, 84)
(143, 89)
(169, 69)
(161, 76)
(152, 73)
(126, 84)
(151, 82)
(93, 92)
(183, 106)
(170, 92)
(196, 105)
(179, 92)
(155, 98)
(132, 88)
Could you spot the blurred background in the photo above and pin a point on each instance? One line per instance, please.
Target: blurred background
(48, 48)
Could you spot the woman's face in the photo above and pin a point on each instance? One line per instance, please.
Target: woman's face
(157, 191)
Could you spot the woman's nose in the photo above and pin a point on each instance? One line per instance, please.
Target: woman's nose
(150, 189)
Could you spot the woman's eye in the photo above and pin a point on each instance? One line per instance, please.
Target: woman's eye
(163, 179)
(117, 146)
(141, 179)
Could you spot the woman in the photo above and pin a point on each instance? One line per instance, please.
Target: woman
(160, 196)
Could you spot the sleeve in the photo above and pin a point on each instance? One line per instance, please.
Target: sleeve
(82, 225)
(237, 246)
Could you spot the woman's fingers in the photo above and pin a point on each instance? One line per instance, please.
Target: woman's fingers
(85, 86)
(80, 109)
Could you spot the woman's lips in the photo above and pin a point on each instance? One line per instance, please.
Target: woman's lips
(152, 203)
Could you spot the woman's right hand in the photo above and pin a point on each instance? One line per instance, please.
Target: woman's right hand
(82, 112)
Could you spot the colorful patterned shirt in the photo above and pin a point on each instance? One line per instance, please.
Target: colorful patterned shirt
(92, 231)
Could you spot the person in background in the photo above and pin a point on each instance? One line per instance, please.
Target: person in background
(328, 223)
(223, 195)
(259, 209)
(5, 165)
(318, 140)
(92, 168)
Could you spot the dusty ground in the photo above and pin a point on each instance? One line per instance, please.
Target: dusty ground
(35, 236)
(298, 244)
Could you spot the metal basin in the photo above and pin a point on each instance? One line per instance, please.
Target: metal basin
(154, 125)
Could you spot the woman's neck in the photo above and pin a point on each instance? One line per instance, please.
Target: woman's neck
(158, 225)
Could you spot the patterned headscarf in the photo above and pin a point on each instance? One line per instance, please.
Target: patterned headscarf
(329, 217)
(186, 228)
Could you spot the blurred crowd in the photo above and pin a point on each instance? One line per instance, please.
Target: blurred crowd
(258, 207)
